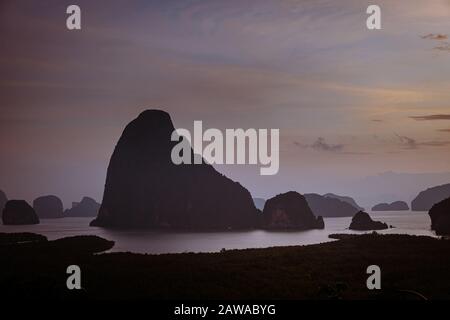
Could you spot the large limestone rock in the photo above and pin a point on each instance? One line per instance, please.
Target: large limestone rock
(19, 212)
(48, 207)
(88, 207)
(426, 199)
(362, 221)
(440, 217)
(290, 210)
(328, 206)
(145, 189)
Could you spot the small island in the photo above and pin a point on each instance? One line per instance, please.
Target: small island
(394, 206)
(363, 222)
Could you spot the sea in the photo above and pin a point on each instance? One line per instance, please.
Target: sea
(161, 242)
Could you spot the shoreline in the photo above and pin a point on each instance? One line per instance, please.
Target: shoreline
(331, 270)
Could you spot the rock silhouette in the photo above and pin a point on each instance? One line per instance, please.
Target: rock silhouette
(394, 206)
(440, 217)
(346, 199)
(329, 207)
(259, 203)
(48, 207)
(3, 200)
(289, 210)
(145, 189)
(88, 207)
(426, 199)
(362, 221)
(19, 212)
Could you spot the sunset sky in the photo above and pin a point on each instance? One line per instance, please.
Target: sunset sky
(349, 102)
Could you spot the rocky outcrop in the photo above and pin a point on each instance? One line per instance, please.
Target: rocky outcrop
(329, 207)
(145, 189)
(440, 217)
(48, 207)
(88, 207)
(362, 221)
(394, 206)
(3, 200)
(259, 203)
(426, 199)
(290, 211)
(346, 199)
(19, 212)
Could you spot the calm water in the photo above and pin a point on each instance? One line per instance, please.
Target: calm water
(406, 222)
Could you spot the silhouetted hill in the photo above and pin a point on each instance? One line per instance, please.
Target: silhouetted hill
(329, 207)
(426, 199)
(290, 210)
(19, 212)
(440, 217)
(259, 203)
(362, 221)
(144, 188)
(48, 207)
(88, 207)
(346, 199)
(394, 206)
(390, 186)
(3, 200)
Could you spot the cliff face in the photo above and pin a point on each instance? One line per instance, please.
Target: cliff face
(440, 217)
(289, 210)
(329, 207)
(426, 199)
(145, 189)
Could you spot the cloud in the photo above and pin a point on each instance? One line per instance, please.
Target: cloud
(445, 46)
(321, 145)
(444, 130)
(435, 143)
(432, 117)
(407, 142)
(412, 144)
(435, 36)
(377, 120)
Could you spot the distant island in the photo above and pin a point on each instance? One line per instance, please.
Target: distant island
(427, 198)
(19, 212)
(289, 211)
(347, 199)
(329, 206)
(394, 206)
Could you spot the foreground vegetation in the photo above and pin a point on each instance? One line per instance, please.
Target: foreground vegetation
(31, 266)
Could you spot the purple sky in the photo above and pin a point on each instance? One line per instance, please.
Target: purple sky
(349, 102)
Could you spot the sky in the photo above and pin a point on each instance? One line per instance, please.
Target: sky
(350, 103)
